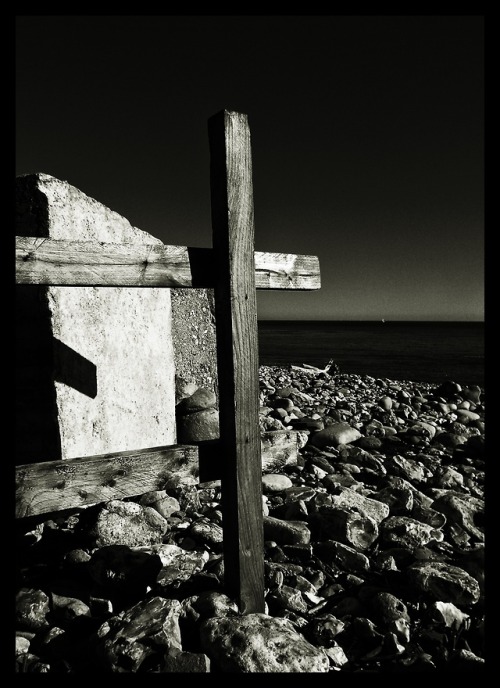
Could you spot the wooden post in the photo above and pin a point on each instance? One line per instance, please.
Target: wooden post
(237, 358)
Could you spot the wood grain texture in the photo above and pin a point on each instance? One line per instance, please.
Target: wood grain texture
(237, 356)
(56, 485)
(59, 262)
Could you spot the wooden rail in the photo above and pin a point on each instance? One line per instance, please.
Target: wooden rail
(60, 262)
(57, 485)
(49, 486)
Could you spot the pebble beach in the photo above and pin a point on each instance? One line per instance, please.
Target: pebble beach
(374, 548)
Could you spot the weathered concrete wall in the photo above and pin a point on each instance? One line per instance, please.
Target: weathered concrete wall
(95, 368)
(193, 331)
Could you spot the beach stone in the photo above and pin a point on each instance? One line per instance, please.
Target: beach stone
(473, 561)
(68, 609)
(286, 598)
(359, 638)
(184, 388)
(369, 443)
(465, 660)
(384, 561)
(307, 423)
(284, 404)
(391, 645)
(202, 398)
(445, 583)
(207, 533)
(274, 482)
(302, 493)
(259, 643)
(399, 499)
(32, 606)
(405, 468)
(286, 532)
(347, 608)
(22, 645)
(285, 392)
(448, 477)
(121, 568)
(177, 661)
(336, 655)
(127, 639)
(362, 458)
(345, 524)
(449, 615)
(403, 531)
(267, 424)
(446, 409)
(199, 426)
(431, 517)
(389, 431)
(420, 425)
(464, 511)
(196, 608)
(185, 490)
(161, 502)
(392, 613)
(206, 605)
(366, 506)
(26, 662)
(294, 511)
(374, 428)
(465, 416)
(100, 606)
(335, 434)
(323, 629)
(127, 523)
(472, 393)
(385, 402)
(450, 439)
(178, 566)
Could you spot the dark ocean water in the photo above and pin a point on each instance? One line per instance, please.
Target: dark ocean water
(419, 351)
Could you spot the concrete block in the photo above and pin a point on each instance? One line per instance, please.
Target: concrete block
(95, 370)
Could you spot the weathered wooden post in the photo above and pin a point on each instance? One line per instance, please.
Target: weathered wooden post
(237, 358)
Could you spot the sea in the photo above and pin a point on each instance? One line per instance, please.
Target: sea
(421, 351)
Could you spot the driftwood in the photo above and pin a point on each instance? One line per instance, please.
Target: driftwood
(314, 370)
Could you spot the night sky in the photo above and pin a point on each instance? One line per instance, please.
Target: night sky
(367, 142)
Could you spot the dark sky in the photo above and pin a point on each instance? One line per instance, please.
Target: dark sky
(367, 142)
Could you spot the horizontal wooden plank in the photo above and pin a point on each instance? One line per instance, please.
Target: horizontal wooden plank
(57, 485)
(61, 262)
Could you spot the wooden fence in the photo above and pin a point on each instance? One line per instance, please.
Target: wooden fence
(234, 270)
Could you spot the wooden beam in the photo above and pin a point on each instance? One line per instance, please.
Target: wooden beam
(66, 484)
(68, 263)
(57, 485)
(237, 358)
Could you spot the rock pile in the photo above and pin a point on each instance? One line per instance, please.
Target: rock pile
(374, 549)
